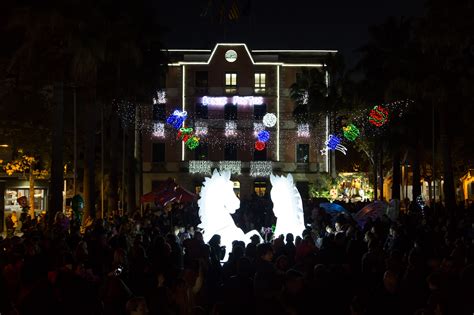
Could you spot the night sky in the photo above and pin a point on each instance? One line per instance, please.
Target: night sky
(295, 24)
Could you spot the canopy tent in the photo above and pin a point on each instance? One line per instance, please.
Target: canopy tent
(373, 211)
(167, 192)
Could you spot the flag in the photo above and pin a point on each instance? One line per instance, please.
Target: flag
(234, 11)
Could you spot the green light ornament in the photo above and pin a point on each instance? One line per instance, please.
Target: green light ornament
(192, 143)
(351, 132)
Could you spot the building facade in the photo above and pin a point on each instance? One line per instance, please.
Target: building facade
(226, 93)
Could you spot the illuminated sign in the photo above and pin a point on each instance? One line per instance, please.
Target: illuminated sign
(236, 100)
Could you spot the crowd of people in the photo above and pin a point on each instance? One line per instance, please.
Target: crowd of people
(421, 263)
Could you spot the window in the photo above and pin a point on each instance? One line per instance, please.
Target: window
(158, 152)
(201, 79)
(201, 82)
(12, 194)
(231, 82)
(260, 81)
(260, 155)
(260, 188)
(230, 112)
(159, 112)
(259, 111)
(230, 152)
(201, 152)
(302, 153)
(201, 111)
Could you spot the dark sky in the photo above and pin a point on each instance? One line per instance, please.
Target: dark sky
(292, 24)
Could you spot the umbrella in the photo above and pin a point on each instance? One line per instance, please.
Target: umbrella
(332, 208)
(373, 210)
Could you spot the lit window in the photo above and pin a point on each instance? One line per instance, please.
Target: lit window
(260, 80)
(231, 82)
(260, 188)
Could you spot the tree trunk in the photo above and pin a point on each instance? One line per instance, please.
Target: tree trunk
(448, 187)
(131, 180)
(32, 195)
(113, 164)
(416, 186)
(396, 175)
(57, 168)
(381, 170)
(89, 160)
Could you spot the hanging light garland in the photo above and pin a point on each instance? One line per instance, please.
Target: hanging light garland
(351, 132)
(260, 168)
(303, 130)
(200, 167)
(230, 128)
(269, 120)
(234, 167)
(159, 130)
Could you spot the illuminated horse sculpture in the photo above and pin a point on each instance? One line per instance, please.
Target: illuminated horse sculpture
(218, 201)
(287, 206)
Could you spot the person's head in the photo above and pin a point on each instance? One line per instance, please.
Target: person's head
(215, 240)
(198, 236)
(282, 263)
(255, 239)
(289, 238)
(265, 252)
(137, 306)
(390, 281)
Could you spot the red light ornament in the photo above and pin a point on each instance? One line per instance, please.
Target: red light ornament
(378, 116)
(259, 145)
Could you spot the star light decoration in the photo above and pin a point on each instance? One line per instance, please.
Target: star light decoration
(234, 167)
(263, 136)
(259, 145)
(351, 132)
(260, 168)
(269, 120)
(303, 131)
(230, 128)
(200, 167)
(159, 130)
(334, 143)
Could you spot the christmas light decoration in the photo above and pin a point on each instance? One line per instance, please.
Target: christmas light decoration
(135, 115)
(186, 135)
(263, 136)
(159, 130)
(260, 168)
(351, 132)
(236, 100)
(234, 167)
(305, 98)
(230, 128)
(334, 143)
(192, 142)
(177, 118)
(200, 167)
(257, 127)
(201, 128)
(303, 130)
(378, 116)
(269, 120)
(259, 145)
(160, 97)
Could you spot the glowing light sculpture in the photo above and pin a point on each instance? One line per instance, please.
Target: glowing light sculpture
(287, 206)
(259, 145)
(351, 132)
(218, 201)
(263, 136)
(334, 143)
(177, 118)
(269, 120)
(378, 116)
(160, 97)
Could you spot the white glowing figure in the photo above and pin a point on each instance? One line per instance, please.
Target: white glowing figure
(269, 120)
(218, 201)
(287, 206)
